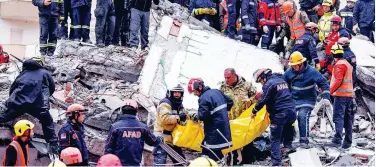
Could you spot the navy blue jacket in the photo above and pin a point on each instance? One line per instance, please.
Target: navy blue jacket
(306, 44)
(351, 58)
(79, 3)
(55, 9)
(72, 135)
(303, 84)
(213, 111)
(143, 5)
(348, 18)
(32, 87)
(275, 95)
(249, 14)
(126, 140)
(308, 4)
(364, 13)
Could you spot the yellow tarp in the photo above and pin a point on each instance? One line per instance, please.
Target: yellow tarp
(243, 131)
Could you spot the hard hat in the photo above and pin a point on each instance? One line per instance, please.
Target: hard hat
(296, 58)
(71, 155)
(76, 108)
(344, 41)
(21, 126)
(175, 88)
(336, 19)
(287, 6)
(327, 3)
(311, 26)
(109, 160)
(131, 102)
(203, 162)
(57, 163)
(194, 83)
(260, 73)
(337, 50)
(39, 60)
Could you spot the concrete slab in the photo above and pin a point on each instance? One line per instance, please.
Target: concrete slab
(306, 157)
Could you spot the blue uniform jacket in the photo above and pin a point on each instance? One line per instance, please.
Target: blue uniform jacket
(79, 3)
(32, 87)
(55, 9)
(72, 135)
(348, 18)
(126, 140)
(303, 86)
(306, 44)
(364, 13)
(308, 4)
(249, 14)
(213, 111)
(351, 58)
(275, 95)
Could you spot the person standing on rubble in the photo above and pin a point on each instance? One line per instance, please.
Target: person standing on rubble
(63, 29)
(72, 133)
(270, 21)
(364, 18)
(278, 100)
(105, 22)
(341, 88)
(170, 112)
(16, 154)
(49, 13)
(213, 111)
(122, 15)
(249, 20)
(310, 8)
(81, 11)
(303, 81)
(30, 94)
(347, 16)
(231, 26)
(127, 136)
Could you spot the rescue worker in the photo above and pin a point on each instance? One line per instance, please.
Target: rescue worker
(303, 81)
(223, 15)
(364, 18)
(347, 16)
(203, 162)
(310, 8)
(239, 90)
(81, 17)
(122, 21)
(337, 32)
(108, 160)
(127, 136)
(204, 10)
(72, 133)
(105, 22)
(63, 29)
(4, 56)
(57, 163)
(249, 20)
(324, 24)
(49, 12)
(231, 26)
(341, 88)
(270, 21)
(277, 98)
(170, 112)
(335, 4)
(349, 55)
(140, 14)
(306, 45)
(17, 153)
(71, 156)
(213, 111)
(30, 94)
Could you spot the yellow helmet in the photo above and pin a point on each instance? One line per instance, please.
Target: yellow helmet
(21, 126)
(57, 163)
(327, 3)
(203, 162)
(296, 58)
(337, 49)
(39, 60)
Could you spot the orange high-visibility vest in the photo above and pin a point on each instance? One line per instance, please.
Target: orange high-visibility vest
(225, 17)
(20, 160)
(296, 26)
(346, 89)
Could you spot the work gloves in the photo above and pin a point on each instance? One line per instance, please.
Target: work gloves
(355, 28)
(201, 11)
(182, 116)
(194, 117)
(265, 29)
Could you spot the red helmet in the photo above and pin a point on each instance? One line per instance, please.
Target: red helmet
(287, 6)
(336, 19)
(71, 155)
(194, 83)
(311, 26)
(109, 160)
(344, 41)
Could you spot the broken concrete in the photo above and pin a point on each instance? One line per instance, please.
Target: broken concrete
(305, 157)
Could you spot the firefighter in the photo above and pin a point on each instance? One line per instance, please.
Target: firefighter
(310, 8)
(49, 12)
(105, 22)
(72, 133)
(57, 163)
(270, 21)
(203, 162)
(30, 94)
(170, 112)
(213, 111)
(302, 80)
(337, 32)
(349, 55)
(81, 17)
(341, 88)
(364, 18)
(223, 15)
(204, 10)
(63, 29)
(108, 160)
(122, 21)
(324, 24)
(127, 136)
(278, 100)
(231, 26)
(249, 20)
(306, 45)
(347, 16)
(16, 154)
(71, 156)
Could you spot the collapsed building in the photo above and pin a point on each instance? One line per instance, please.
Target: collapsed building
(182, 47)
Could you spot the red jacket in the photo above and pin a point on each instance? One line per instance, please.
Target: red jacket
(333, 38)
(269, 13)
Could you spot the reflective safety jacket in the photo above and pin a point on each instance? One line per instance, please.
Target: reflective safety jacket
(341, 83)
(347, 18)
(21, 158)
(269, 13)
(325, 25)
(296, 25)
(333, 38)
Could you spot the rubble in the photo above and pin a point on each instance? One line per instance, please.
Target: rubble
(305, 157)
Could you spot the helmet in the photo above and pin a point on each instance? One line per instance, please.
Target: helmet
(287, 6)
(170, 94)
(261, 73)
(39, 60)
(76, 108)
(57, 163)
(194, 83)
(109, 160)
(327, 3)
(336, 19)
(21, 126)
(337, 51)
(344, 41)
(131, 102)
(296, 58)
(203, 162)
(71, 155)
(311, 26)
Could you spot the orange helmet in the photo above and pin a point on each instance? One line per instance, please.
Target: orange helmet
(71, 155)
(131, 102)
(336, 20)
(76, 108)
(287, 6)
(194, 83)
(109, 160)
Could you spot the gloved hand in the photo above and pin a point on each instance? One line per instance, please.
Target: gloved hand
(253, 115)
(355, 27)
(278, 28)
(183, 116)
(247, 27)
(61, 18)
(265, 29)
(194, 117)
(278, 39)
(212, 11)
(318, 66)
